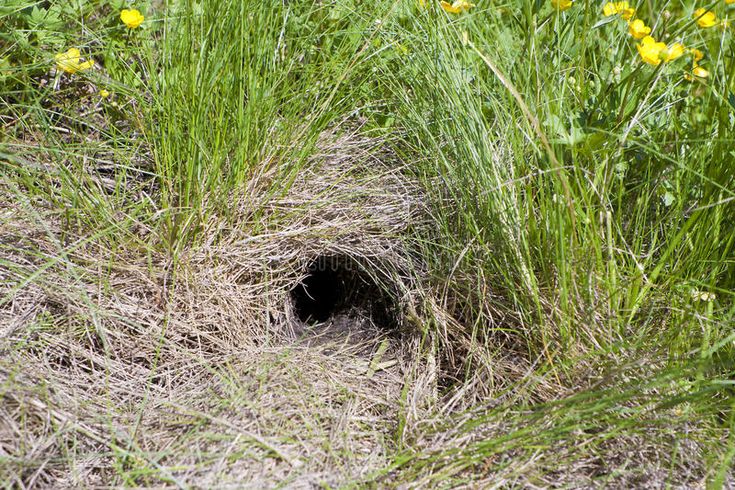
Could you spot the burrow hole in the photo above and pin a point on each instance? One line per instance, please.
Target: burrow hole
(338, 289)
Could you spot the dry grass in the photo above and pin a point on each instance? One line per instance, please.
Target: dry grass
(123, 367)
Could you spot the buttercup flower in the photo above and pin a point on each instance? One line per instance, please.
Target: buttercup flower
(697, 55)
(618, 8)
(700, 72)
(69, 61)
(729, 2)
(638, 29)
(104, 93)
(561, 4)
(457, 7)
(653, 52)
(131, 18)
(650, 50)
(705, 18)
(673, 52)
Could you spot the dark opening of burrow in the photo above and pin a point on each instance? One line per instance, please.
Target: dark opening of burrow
(336, 286)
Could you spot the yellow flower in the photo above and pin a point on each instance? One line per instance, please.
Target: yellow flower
(131, 18)
(615, 8)
(457, 7)
(69, 61)
(700, 72)
(650, 50)
(104, 93)
(705, 18)
(729, 2)
(673, 52)
(654, 53)
(638, 29)
(562, 4)
(697, 54)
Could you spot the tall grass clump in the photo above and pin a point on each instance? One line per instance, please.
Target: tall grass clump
(595, 187)
(244, 93)
(591, 183)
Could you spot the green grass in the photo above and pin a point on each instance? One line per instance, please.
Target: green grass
(580, 201)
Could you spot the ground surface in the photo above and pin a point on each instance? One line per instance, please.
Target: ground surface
(366, 245)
